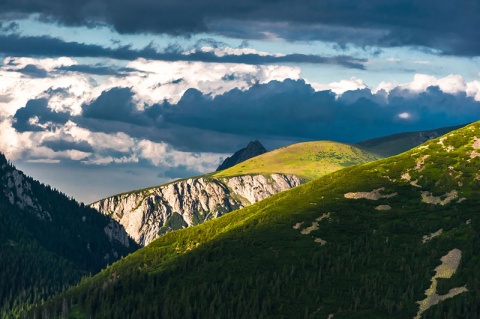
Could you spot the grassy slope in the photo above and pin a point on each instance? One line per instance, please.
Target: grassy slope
(391, 145)
(252, 263)
(307, 160)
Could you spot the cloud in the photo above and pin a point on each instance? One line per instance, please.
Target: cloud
(97, 69)
(8, 27)
(38, 46)
(294, 109)
(145, 85)
(341, 86)
(63, 145)
(37, 116)
(164, 112)
(451, 27)
(33, 71)
(115, 104)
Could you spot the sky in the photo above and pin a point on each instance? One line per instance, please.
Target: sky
(99, 97)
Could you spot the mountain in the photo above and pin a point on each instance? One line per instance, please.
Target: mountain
(48, 241)
(307, 161)
(394, 238)
(398, 143)
(149, 213)
(254, 148)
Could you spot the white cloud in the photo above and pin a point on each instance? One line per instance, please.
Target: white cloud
(46, 64)
(169, 80)
(473, 90)
(341, 86)
(161, 154)
(19, 89)
(451, 84)
(421, 82)
(157, 81)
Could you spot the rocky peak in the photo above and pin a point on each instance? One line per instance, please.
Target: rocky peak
(254, 148)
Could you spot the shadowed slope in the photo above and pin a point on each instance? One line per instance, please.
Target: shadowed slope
(350, 244)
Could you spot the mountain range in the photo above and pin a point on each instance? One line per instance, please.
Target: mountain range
(392, 238)
(49, 241)
(345, 243)
(149, 213)
(248, 176)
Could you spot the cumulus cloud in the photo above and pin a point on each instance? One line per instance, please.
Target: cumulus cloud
(451, 27)
(115, 104)
(452, 84)
(169, 114)
(341, 86)
(36, 116)
(295, 109)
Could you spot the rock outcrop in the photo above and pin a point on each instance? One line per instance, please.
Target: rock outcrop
(148, 214)
(253, 149)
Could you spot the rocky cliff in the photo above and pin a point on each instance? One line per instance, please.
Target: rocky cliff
(148, 214)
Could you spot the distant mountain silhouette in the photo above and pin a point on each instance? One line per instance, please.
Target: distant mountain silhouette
(254, 148)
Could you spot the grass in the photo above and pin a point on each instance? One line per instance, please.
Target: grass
(391, 145)
(252, 263)
(307, 161)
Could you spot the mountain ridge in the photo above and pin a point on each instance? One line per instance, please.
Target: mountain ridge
(365, 241)
(394, 144)
(149, 213)
(49, 241)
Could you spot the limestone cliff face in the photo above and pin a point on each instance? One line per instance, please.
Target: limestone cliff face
(148, 214)
(18, 190)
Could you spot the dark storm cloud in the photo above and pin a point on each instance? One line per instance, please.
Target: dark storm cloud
(450, 26)
(277, 111)
(64, 145)
(17, 45)
(292, 109)
(23, 118)
(115, 105)
(33, 71)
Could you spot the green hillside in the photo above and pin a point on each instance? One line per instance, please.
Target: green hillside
(391, 145)
(307, 160)
(367, 241)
